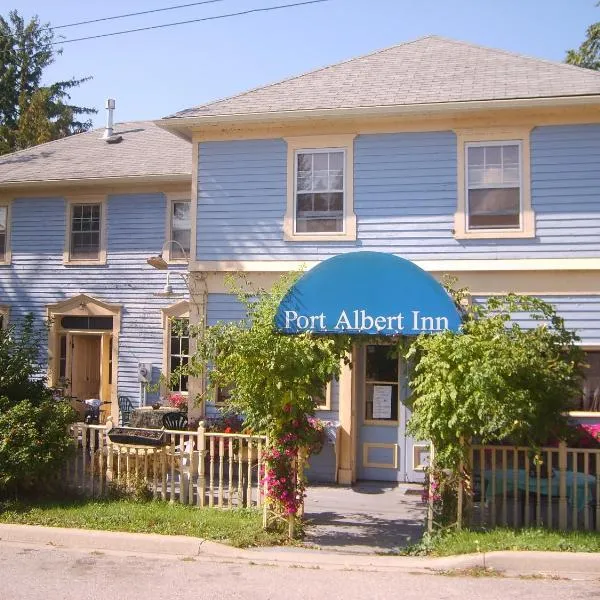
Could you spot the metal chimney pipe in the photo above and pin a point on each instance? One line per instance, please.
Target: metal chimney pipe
(110, 107)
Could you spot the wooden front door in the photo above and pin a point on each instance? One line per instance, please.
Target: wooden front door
(85, 366)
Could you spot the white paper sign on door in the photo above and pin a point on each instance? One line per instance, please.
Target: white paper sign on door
(382, 402)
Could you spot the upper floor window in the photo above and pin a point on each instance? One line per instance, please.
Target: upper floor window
(4, 250)
(86, 233)
(493, 185)
(320, 189)
(180, 227)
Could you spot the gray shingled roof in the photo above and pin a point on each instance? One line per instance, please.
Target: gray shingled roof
(427, 70)
(145, 150)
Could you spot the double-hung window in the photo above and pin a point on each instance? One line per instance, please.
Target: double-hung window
(493, 185)
(320, 191)
(180, 227)
(85, 233)
(320, 202)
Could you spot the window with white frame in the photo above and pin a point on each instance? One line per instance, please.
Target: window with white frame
(180, 227)
(179, 350)
(3, 233)
(589, 399)
(85, 232)
(493, 177)
(319, 190)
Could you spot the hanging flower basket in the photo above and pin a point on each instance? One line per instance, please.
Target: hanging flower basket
(137, 437)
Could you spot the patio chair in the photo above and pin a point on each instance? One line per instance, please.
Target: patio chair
(175, 421)
(125, 410)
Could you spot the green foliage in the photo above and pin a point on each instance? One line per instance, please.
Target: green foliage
(494, 379)
(31, 113)
(266, 370)
(588, 53)
(34, 440)
(129, 487)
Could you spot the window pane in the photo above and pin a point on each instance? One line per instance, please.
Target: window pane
(370, 389)
(381, 364)
(181, 226)
(475, 155)
(2, 246)
(320, 196)
(179, 350)
(85, 231)
(494, 208)
(510, 155)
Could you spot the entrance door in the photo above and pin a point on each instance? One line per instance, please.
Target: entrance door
(385, 452)
(85, 366)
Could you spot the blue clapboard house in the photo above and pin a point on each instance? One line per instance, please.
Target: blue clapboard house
(450, 157)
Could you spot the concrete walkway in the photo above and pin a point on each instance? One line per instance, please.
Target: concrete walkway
(371, 518)
(579, 566)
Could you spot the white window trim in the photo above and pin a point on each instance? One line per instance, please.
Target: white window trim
(586, 413)
(5, 313)
(101, 260)
(171, 199)
(323, 143)
(180, 310)
(7, 253)
(491, 137)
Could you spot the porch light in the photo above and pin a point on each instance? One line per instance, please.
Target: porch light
(167, 291)
(158, 262)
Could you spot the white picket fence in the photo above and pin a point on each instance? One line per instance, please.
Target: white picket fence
(193, 467)
(506, 487)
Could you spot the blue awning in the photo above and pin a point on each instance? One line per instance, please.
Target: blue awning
(367, 293)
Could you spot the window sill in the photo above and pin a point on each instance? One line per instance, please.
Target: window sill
(349, 235)
(378, 422)
(85, 263)
(492, 234)
(583, 413)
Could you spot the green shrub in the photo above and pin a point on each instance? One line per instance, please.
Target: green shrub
(34, 438)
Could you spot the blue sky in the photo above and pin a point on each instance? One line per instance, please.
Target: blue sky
(156, 73)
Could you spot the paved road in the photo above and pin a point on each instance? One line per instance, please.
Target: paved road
(30, 572)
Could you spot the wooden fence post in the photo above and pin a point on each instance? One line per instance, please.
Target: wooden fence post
(562, 485)
(201, 453)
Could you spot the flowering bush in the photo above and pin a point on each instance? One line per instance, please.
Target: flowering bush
(178, 401)
(296, 436)
(226, 422)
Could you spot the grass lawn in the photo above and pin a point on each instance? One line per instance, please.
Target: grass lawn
(240, 528)
(466, 542)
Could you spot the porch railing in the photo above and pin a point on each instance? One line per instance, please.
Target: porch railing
(557, 488)
(194, 467)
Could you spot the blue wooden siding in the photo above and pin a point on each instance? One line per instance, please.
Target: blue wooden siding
(405, 197)
(38, 277)
(581, 314)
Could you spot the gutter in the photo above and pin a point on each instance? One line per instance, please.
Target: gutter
(94, 181)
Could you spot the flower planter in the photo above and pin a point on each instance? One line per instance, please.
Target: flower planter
(137, 437)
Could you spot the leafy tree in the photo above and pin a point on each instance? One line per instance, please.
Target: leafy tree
(588, 54)
(495, 379)
(31, 113)
(34, 440)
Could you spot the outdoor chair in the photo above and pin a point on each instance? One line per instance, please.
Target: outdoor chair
(125, 410)
(175, 421)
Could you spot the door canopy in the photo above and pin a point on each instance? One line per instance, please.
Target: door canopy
(369, 293)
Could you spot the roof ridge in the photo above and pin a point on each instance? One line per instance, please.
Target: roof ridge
(554, 63)
(292, 77)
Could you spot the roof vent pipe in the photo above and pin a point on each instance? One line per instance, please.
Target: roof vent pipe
(110, 107)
